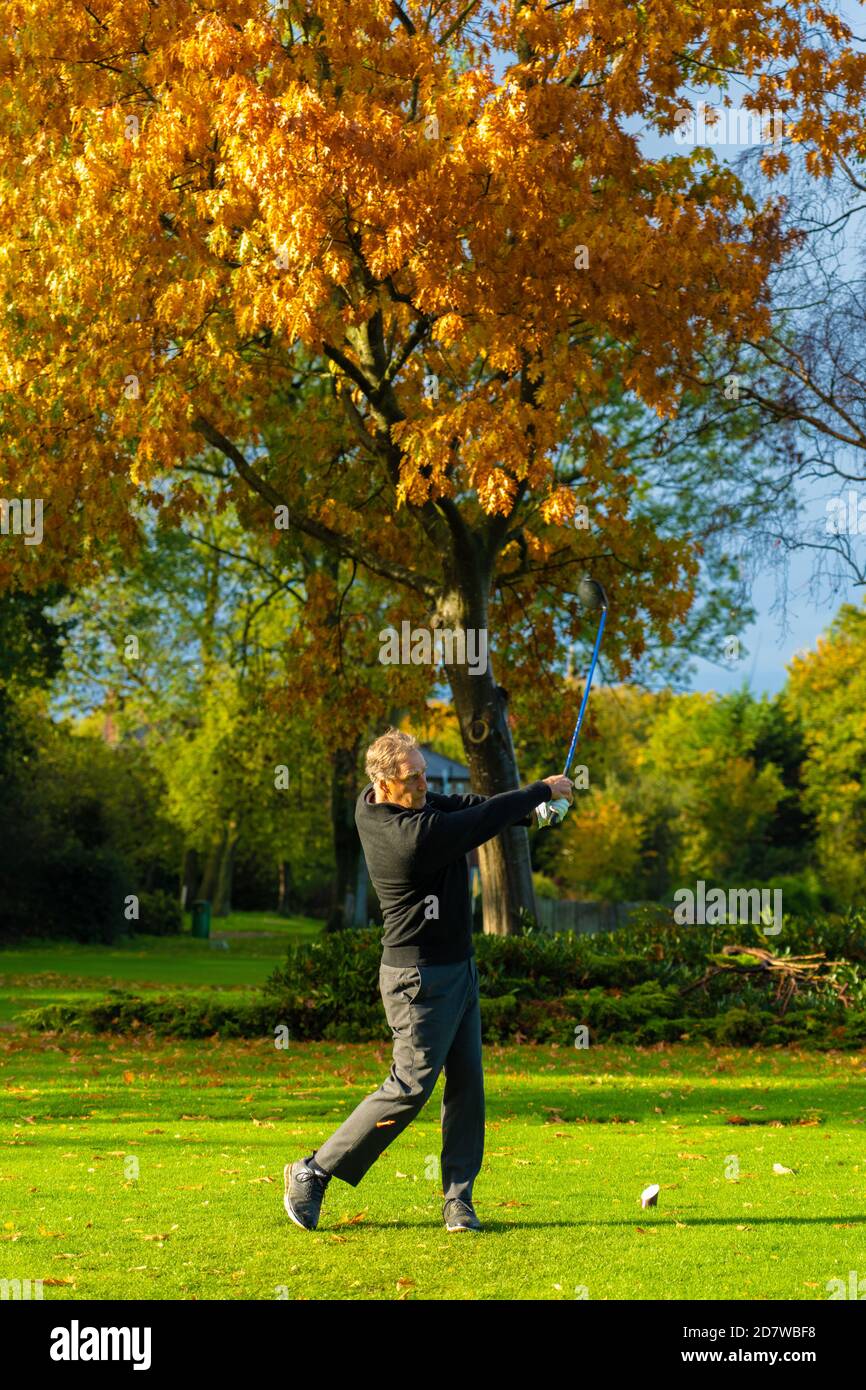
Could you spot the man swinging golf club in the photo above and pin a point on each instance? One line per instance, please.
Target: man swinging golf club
(415, 843)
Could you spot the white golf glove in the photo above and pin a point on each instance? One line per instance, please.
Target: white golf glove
(552, 812)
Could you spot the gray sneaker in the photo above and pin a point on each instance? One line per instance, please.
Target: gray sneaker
(305, 1189)
(460, 1216)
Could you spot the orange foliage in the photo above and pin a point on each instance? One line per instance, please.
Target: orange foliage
(204, 213)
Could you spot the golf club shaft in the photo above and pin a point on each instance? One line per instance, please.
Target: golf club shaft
(586, 691)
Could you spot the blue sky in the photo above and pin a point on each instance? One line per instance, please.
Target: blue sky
(772, 640)
(792, 608)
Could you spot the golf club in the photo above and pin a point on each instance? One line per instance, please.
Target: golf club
(593, 596)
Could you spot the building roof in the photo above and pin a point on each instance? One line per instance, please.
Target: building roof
(438, 766)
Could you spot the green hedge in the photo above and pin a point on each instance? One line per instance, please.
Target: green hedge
(622, 986)
(176, 1013)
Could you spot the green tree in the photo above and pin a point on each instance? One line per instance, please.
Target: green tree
(826, 690)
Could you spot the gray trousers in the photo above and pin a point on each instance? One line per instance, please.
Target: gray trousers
(435, 1019)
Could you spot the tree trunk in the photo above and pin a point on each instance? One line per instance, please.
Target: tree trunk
(222, 905)
(286, 898)
(505, 864)
(209, 872)
(344, 791)
(190, 873)
(481, 705)
(360, 918)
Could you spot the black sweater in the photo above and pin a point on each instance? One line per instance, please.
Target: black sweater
(417, 865)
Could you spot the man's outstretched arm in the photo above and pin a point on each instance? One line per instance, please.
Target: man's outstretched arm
(457, 802)
(442, 837)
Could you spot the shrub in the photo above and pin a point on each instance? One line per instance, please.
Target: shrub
(801, 893)
(159, 914)
(544, 886)
(81, 893)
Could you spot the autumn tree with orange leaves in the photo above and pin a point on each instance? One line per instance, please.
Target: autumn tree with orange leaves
(389, 290)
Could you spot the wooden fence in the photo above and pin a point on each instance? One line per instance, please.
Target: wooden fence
(570, 915)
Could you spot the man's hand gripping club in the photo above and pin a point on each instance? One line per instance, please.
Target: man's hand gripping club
(553, 812)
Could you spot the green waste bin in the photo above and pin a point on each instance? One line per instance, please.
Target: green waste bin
(201, 918)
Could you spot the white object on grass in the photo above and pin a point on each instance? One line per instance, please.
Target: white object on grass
(649, 1196)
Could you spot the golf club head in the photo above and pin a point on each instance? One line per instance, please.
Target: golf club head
(592, 594)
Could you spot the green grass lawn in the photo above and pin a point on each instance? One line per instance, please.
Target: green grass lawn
(45, 972)
(134, 1168)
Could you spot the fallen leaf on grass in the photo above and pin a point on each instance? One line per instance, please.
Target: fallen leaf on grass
(164, 1236)
(352, 1220)
(405, 1283)
(685, 1155)
(55, 1282)
(154, 1131)
(640, 1230)
(266, 1179)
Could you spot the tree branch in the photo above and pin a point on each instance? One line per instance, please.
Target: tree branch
(403, 17)
(353, 550)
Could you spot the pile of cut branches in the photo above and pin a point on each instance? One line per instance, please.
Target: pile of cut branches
(788, 973)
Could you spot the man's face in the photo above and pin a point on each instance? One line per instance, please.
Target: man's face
(409, 788)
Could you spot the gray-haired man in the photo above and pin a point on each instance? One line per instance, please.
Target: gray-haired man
(415, 843)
